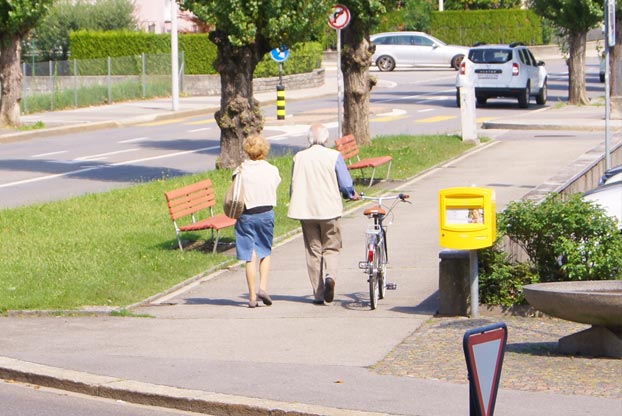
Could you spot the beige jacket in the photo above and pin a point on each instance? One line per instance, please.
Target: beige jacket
(315, 191)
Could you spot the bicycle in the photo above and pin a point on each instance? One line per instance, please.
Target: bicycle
(376, 249)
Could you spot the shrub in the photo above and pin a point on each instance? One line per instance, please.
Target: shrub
(569, 239)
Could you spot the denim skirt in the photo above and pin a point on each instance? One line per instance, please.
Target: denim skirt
(254, 232)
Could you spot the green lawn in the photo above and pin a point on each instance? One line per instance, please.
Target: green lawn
(118, 248)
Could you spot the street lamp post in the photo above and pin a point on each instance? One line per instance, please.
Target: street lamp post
(174, 56)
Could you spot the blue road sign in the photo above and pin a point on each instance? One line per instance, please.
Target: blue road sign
(279, 55)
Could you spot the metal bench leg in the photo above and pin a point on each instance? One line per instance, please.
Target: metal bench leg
(389, 169)
(179, 241)
(371, 181)
(215, 241)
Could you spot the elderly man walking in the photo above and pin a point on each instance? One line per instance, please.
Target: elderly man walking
(320, 179)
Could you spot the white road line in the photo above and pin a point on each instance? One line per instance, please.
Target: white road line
(49, 154)
(105, 155)
(74, 172)
(419, 96)
(199, 130)
(146, 159)
(425, 110)
(138, 139)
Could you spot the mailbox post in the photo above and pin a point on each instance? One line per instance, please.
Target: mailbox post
(468, 220)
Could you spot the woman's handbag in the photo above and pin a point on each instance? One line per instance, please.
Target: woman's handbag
(234, 198)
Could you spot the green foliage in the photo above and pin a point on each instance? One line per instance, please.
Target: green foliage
(414, 15)
(501, 281)
(199, 53)
(570, 16)
(481, 4)
(490, 26)
(50, 38)
(278, 22)
(18, 17)
(303, 57)
(568, 239)
(564, 240)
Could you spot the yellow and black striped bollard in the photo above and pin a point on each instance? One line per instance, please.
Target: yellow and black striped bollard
(280, 102)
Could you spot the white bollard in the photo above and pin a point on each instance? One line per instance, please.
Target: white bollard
(467, 113)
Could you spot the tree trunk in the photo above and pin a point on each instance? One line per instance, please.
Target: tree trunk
(356, 55)
(577, 93)
(240, 114)
(11, 81)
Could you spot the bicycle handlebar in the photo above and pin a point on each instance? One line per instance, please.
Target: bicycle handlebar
(403, 197)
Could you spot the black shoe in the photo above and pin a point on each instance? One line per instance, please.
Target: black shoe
(318, 302)
(329, 289)
(265, 298)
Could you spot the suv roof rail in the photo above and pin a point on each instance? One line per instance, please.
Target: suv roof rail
(515, 44)
(479, 43)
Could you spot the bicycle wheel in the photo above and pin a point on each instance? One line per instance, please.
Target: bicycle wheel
(372, 258)
(382, 269)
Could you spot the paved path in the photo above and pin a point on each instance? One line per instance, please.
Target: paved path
(202, 349)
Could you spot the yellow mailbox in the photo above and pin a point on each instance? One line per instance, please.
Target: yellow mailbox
(468, 218)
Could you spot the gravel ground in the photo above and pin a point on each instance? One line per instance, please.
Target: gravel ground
(532, 361)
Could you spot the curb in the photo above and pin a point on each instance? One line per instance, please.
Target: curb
(216, 404)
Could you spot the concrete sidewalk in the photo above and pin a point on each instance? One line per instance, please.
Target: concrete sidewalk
(202, 349)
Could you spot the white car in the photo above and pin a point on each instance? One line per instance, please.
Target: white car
(503, 71)
(410, 49)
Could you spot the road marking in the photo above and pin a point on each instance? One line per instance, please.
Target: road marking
(198, 130)
(49, 154)
(206, 121)
(414, 97)
(383, 119)
(435, 119)
(162, 122)
(105, 155)
(484, 119)
(74, 172)
(425, 110)
(138, 139)
(294, 130)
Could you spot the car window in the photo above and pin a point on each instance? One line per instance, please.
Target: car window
(533, 59)
(383, 40)
(490, 56)
(423, 41)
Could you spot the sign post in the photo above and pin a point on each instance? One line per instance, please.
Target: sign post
(484, 349)
(280, 55)
(610, 41)
(338, 18)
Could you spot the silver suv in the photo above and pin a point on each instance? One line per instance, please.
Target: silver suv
(503, 71)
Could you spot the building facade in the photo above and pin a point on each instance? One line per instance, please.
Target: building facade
(154, 16)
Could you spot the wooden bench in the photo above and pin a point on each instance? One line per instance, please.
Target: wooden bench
(186, 205)
(350, 151)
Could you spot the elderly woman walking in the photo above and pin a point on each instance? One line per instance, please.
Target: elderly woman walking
(254, 230)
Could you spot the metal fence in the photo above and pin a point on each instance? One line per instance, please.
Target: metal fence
(56, 85)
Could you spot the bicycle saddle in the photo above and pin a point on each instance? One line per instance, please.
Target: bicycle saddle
(375, 210)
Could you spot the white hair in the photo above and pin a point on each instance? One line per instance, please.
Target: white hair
(318, 134)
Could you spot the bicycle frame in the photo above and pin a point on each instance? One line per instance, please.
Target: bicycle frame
(376, 250)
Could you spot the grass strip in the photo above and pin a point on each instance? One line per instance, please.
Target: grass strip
(117, 248)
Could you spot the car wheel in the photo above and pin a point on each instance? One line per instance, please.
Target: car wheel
(542, 96)
(385, 63)
(523, 99)
(456, 61)
(481, 100)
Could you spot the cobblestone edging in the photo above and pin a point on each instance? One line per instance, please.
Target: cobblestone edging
(531, 362)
